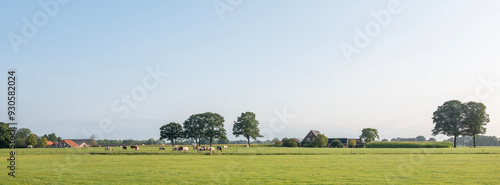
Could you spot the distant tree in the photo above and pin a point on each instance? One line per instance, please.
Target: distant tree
(150, 141)
(448, 120)
(92, 141)
(289, 142)
(276, 142)
(4, 135)
(247, 126)
(320, 141)
(31, 140)
(385, 140)
(22, 133)
(337, 144)
(214, 126)
(368, 135)
(52, 137)
(59, 139)
(171, 131)
(421, 138)
(43, 142)
(223, 141)
(432, 139)
(475, 120)
(352, 143)
(21, 143)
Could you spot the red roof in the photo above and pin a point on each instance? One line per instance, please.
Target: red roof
(49, 143)
(70, 143)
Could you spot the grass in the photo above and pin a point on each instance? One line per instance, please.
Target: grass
(274, 165)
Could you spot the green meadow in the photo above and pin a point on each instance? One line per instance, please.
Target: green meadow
(256, 165)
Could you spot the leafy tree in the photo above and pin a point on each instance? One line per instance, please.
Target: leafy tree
(276, 142)
(448, 120)
(336, 144)
(22, 133)
(223, 141)
(352, 143)
(475, 120)
(289, 142)
(43, 142)
(320, 141)
(51, 137)
(59, 139)
(385, 140)
(92, 141)
(150, 141)
(171, 131)
(247, 126)
(194, 127)
(432, 139)
(4, 135)
(31, 140)
(421, 138)
(214, 126)
(369, 135)
(21, 143)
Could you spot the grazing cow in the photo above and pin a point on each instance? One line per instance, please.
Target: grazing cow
(162, 144)
(133, 146)
(124, 147)
(225, 147)
(108, 148)
(219, 148)
(211, 149)
(184, 149)
(136, 148)
(247, 145)
(161, 148)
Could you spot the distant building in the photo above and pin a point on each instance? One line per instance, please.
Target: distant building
(67, 144)
(83, 143)
(313, 133)
(310, 136)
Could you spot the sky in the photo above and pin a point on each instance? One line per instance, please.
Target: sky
(122, 69)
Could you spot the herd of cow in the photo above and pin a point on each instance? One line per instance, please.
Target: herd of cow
(124, 148)
(179, 148)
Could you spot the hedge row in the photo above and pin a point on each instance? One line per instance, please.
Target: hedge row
(410, 144)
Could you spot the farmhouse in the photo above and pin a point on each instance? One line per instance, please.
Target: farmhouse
(313, 133)
(83, 143)
(67, 144)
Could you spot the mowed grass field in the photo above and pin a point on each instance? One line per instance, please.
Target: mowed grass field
(256, 165)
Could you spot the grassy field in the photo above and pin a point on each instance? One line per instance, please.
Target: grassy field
(257, 165)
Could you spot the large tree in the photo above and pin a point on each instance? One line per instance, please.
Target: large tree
(368, 135)
(43, 142)
(51, 137)
(31, 140)
(214, 126)
(22, 133)
(194, 127)
(171, 131)
(247, 126)
(475, 118)
(448, 120)
(4, 135)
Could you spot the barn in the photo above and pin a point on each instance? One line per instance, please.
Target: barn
(313, 133)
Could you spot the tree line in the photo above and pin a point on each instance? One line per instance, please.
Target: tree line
(25, 137)
(455, 118)
(210, 126)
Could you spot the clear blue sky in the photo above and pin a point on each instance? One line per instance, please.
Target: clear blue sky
(263, 56)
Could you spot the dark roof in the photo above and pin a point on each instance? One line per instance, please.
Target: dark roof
(315, 132)
(80, 141)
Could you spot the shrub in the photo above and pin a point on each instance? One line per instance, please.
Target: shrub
(336, 144)
(277, 142)
(320, 141)
(410, 144)
(289, 142)
(352, 143)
